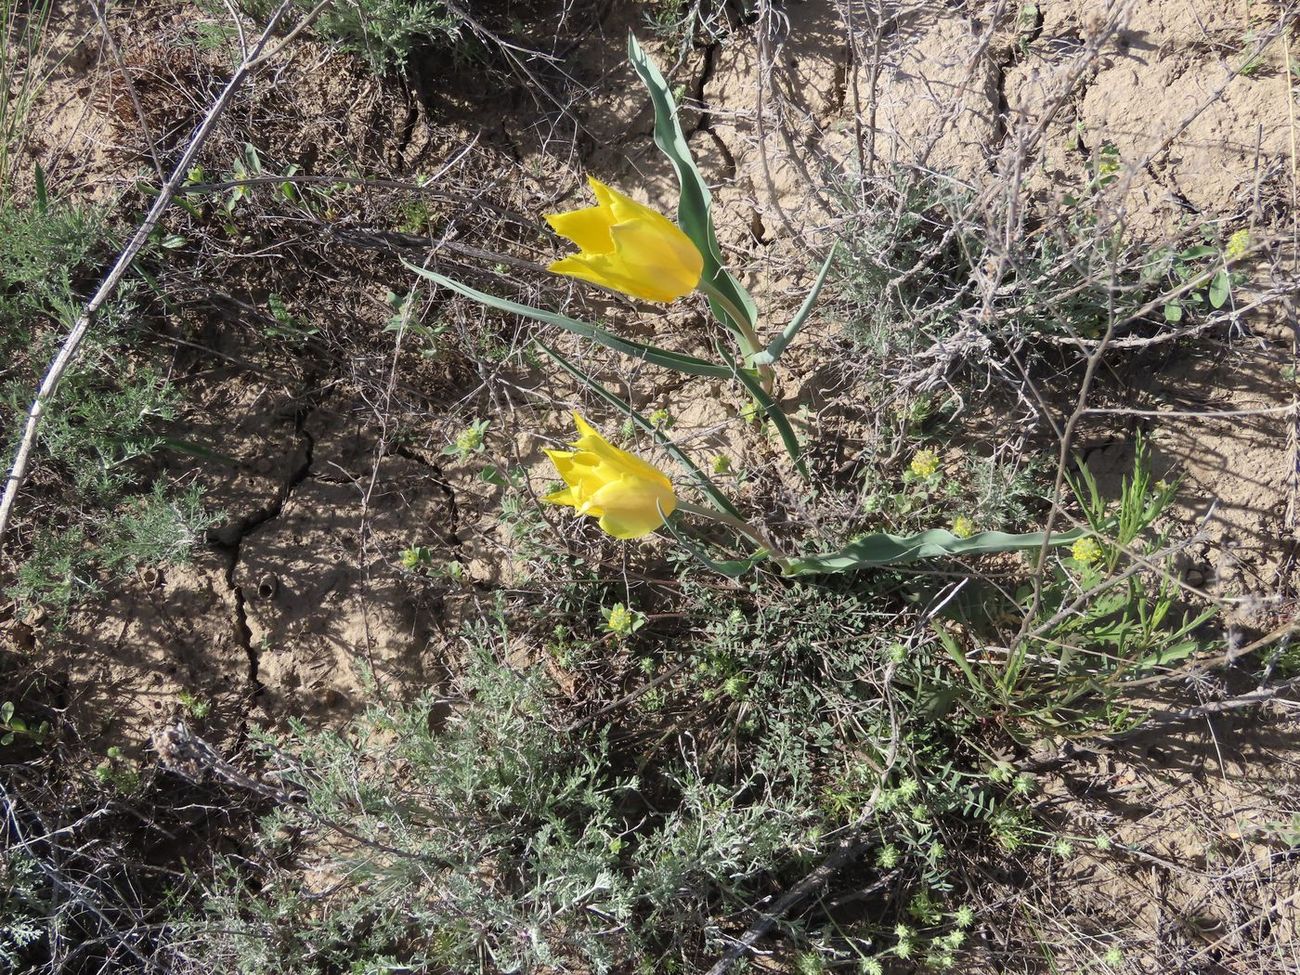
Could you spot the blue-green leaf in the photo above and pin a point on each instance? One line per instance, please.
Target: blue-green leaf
(882, 549)
(778, 345)
(649, 353)
(701, 479)
(695, 203)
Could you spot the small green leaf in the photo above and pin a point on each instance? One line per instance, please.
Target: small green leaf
(1220, 289)
(1173, 312)
(6, 712)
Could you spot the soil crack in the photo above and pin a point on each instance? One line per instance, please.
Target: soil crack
(229, 539)
(421, 457)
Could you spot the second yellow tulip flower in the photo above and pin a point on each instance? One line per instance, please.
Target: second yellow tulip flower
(630, 497)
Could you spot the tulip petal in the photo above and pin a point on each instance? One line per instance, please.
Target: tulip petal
(588, 228)
(609, 271)
(595, 268)
(626, 464)
(631, 508)
(563, 496)
(625, 209)
(665, 263)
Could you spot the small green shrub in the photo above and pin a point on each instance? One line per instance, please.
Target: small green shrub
(100, 511)
(486, 841)
(385, 33)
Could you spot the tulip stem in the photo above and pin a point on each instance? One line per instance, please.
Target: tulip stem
(749, 343)
(738, 525)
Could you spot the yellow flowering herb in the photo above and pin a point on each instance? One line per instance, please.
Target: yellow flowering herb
(630, 497)
(924, 463)
(622, 621)
(1238, 244)
(963, 527)
(628, 247)
(1086, 551)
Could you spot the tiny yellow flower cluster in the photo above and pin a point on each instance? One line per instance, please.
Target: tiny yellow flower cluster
(620, 620)
(963, 527)
(1238, 244)
(1086, 551)
(469, 440)
(924, 463)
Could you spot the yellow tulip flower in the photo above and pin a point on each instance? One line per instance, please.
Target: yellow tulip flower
(628, 247)
(630, 497)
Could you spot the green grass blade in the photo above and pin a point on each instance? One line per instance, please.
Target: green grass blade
(779, 344)
(882, 549)
(958, 656)
(648, 353)
(698, 476)
(695, 202)
(42, 192)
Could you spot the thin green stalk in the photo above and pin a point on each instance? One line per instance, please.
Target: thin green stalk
(749, 343)
(740, 526)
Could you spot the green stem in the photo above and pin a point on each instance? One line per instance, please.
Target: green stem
(740, 526)
(749, 343)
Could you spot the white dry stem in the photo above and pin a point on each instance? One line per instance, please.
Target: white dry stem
(255, 58)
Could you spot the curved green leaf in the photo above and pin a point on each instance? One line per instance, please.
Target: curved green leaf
(731, 568)
(881, 549)
(695, 202)
(778, 345)
(701, 479)
(649, 353)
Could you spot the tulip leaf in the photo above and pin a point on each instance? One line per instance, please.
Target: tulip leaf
(778, 345)
(694, 207)
(701, 479)
(881, 549)
(649, 353)
(774, 412)
(731, 568)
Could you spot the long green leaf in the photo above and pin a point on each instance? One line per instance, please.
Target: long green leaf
(701, 479)
(882, 549)
(648, 353)
(778, 345)
(731, 568)
(695, 202)
(774, 412)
